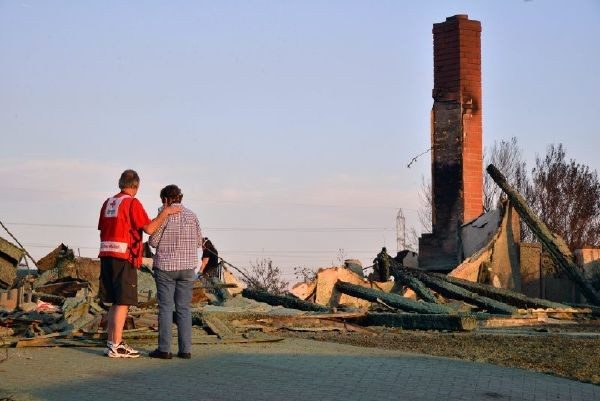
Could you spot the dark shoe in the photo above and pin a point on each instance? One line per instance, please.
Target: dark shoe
(184, 355)
(159, 354)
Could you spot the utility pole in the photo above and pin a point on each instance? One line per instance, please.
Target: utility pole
(400, 231)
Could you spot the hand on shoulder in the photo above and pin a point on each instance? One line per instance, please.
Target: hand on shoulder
(173, 209)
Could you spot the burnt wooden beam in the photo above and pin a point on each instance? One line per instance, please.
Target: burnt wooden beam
(501, 294)
(452, 291)
(594, 310)
(283, 300)
(403, 276)
(53, 299)
(554, 244)
(394, 300)
(418, 321)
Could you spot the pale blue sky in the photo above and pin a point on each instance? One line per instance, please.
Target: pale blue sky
(294, 115)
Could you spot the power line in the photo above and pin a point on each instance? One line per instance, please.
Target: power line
(231, 229)
(51, 225)
(283, 252)
(222, 201)
(233, 202)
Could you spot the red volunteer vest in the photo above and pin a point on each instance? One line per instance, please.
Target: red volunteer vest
(117, 236)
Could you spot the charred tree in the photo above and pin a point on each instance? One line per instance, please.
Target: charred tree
(394, 300)
(554, 244)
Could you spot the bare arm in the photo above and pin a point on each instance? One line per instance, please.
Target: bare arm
(158, 221)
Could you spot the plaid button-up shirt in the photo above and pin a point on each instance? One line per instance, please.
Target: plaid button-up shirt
(177, 242)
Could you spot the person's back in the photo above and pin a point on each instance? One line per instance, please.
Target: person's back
(176, 258)
(177, 247)
(121, 223)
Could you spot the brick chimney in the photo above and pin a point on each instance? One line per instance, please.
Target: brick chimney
(456, 140)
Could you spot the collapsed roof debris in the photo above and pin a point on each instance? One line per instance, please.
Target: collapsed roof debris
(59, 304)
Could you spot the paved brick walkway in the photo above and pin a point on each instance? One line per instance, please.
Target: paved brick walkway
(291, 370)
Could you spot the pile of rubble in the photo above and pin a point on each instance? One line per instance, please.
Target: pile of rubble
(58, 305)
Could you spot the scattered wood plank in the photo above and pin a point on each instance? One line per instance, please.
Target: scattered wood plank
(455, 292)
(218, 327)
(53, 299)
(62, 342)
(501, 294)
(63, 288)
(9, 320)
(273, 323)
(39, 341)
(101, 335)
(313, 329)
(553, 243)
(240, 340)
(418, 321)
(561, 314)
(217, 284)
(283, 300)
(512, 321)
(261, 327)
(394, 300)
(594, 310)
(337, 315)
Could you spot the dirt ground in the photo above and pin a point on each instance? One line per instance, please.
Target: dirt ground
(572, 352)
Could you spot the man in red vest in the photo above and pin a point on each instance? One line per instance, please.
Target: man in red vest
(122, 223)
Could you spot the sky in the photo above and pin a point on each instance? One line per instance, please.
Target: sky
(288, 125)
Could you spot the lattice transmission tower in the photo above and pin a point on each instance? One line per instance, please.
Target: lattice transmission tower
(400, 231)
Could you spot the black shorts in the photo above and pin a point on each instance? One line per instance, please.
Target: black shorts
(118, 282)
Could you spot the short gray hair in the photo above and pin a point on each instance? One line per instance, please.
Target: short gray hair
(129, 179)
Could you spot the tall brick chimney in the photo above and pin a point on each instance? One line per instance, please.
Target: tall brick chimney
(456, 140)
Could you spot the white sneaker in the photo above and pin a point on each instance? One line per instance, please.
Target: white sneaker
(121, 350)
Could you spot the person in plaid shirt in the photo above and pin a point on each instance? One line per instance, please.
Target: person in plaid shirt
(177, 242)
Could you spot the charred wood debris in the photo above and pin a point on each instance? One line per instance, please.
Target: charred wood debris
(59, 304)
